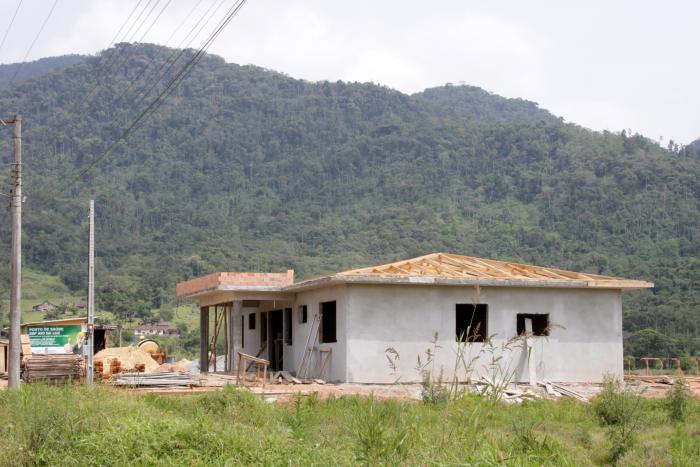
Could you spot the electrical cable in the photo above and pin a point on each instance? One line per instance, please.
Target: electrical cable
(174, 82)
(165, 44)
(160, 74)
(34, 41)
(12, 21)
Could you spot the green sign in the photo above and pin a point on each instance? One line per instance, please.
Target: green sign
(56, 339)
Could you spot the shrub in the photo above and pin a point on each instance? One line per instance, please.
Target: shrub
(619, 408)
(677, 401)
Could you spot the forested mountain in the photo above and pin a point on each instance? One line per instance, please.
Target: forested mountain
(481, 107)
(694, 147)
(22, 71)
(248, 169)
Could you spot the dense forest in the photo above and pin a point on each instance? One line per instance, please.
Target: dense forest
(245, 168)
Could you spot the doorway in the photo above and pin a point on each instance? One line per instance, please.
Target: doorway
(276, 337)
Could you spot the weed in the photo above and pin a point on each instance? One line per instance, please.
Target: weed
(541, 448)
(433, 389)
(677, 401)
(619, 409)
(381, 435)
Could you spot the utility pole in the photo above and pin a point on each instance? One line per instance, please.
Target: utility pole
(91, 296)
(16, 255)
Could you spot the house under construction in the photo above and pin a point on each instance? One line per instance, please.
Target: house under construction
(338, 327)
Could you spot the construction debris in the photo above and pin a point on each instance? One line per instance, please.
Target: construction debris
(156, 380)
(564, 391)
(51, 367)
(284, 377)
(182, 366)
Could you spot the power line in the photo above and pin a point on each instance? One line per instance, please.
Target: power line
(155, 20)
(10, 25)
(117, 54)
(125, 56)
(170, 62)
(124, 24)
(151, 62)
(34, 41)
(174, 82)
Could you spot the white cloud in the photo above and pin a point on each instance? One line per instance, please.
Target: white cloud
(605, 65)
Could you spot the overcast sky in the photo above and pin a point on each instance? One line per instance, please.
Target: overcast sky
(602, 64)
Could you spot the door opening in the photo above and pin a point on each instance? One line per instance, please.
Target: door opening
(277, 339)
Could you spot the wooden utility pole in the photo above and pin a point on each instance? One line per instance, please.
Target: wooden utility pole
(91, 296)
(13, 376)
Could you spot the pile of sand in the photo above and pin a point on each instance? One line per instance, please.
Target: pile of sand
(128, 358)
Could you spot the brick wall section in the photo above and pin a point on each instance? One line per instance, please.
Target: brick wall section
(253, 279)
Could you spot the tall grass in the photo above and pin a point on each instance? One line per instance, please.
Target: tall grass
(78, 426)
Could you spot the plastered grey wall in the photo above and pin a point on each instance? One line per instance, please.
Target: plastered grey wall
(300, 332)
(584, 344)
(251, 337)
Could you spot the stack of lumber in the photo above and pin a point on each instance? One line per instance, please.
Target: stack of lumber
(52, 367)
(154, 380)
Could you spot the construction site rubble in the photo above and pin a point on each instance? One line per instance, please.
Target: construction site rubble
(155, 380)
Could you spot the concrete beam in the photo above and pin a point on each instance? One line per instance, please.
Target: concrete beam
(204, 339)
(236, 327)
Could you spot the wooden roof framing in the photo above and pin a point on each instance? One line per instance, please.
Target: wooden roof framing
(436, 268)
(452, 266)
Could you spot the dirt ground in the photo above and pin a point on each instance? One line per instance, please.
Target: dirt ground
(650, 386)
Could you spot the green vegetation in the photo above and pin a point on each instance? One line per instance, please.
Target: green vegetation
(37, 287)
(75, 425)
(247, 169)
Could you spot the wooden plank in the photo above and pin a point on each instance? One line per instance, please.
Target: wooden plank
(530, 348)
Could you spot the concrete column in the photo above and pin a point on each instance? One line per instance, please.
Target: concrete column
(204, 339)
(236, 333)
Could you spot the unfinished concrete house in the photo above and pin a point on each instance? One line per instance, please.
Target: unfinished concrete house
(338, 327)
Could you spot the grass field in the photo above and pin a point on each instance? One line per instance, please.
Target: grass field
(78, 426)
(37, 287)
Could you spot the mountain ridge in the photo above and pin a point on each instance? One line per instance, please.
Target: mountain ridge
(243, 168)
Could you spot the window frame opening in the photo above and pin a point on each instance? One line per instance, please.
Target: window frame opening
(251, 321)
(471, 322)
(540, 324)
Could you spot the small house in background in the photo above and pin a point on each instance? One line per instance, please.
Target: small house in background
(158, 329)
(536, 322)
(45, 307)
(80, 304)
